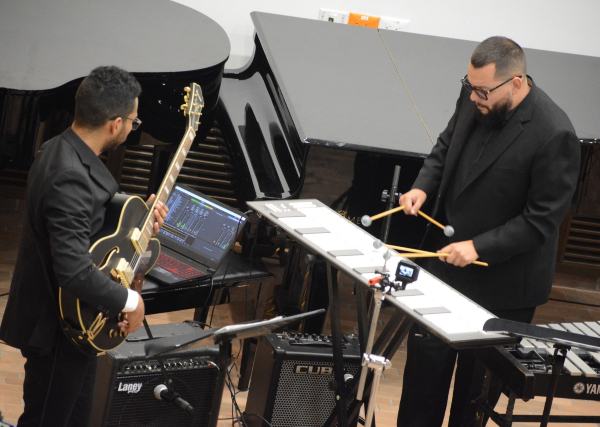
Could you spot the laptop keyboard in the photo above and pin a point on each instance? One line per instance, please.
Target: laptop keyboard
(177, 267)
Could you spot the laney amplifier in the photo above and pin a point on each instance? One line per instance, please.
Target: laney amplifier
(125, 383)
(291, 379)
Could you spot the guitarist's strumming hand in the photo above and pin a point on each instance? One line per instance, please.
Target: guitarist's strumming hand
(160, 213)
(133, 320)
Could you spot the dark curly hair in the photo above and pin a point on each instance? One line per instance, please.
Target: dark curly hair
(106, 93)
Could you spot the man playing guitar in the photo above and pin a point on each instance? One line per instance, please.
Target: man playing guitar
(68, 191)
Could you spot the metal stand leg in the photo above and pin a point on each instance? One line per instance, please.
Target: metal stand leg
(378, 364)
(482, 399)
(338, 358)
(560, 353)
(224, 361)
(378, 297)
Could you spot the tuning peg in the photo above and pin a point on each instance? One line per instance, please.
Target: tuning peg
(187, 89)
(184, 108)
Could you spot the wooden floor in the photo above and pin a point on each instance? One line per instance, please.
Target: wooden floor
(387, 400)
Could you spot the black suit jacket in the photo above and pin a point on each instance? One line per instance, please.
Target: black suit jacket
(512, 204)
(68, 190)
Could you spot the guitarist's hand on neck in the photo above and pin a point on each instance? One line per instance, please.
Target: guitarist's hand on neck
(160, 213)
(134, 318)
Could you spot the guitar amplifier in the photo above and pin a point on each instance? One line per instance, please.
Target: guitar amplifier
(125, 382)
(290, 384)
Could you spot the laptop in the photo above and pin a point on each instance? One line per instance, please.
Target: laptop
(196, 236)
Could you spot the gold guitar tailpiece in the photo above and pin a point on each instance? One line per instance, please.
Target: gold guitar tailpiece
(96, 327)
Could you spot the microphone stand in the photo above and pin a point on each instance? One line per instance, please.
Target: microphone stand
(171, 395)
(391, 199)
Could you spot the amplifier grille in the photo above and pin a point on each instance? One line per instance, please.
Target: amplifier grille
(305, 400)
(196, 386)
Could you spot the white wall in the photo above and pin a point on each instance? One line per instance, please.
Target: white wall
(569, 26)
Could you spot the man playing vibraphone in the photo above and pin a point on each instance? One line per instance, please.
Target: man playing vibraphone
(502, 173)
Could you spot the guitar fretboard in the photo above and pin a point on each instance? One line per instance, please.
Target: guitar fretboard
(166, 186)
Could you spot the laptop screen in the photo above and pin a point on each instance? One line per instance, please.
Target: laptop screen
(200, 227)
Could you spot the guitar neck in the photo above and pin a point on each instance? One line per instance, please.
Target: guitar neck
(166, 187)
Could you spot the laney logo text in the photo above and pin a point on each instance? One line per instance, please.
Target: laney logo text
(130, 388)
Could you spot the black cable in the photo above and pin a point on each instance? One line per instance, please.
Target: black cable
(256, 415)
(196, 322)
(237, 232)
(234, 407)
(212, 284)
(575, 302)
(3, 295)
(215, 305)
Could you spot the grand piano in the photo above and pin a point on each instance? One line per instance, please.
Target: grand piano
(50, 46)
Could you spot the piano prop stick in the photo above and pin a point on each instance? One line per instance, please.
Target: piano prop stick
(368, 220)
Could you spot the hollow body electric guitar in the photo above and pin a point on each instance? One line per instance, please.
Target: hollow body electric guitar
(124, 249)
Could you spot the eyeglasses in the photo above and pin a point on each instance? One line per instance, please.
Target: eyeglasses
(482, 93)
(135, 123)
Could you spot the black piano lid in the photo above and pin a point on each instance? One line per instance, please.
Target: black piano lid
(47, 43)
(343, 90)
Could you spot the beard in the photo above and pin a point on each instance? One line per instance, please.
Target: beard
(112, 144)
(496, 114)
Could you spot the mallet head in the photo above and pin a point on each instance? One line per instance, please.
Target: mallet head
(449, 231)
(377, 244)
(366, 220)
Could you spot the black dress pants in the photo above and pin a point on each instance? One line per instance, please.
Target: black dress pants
(59, 386)
(428, 374)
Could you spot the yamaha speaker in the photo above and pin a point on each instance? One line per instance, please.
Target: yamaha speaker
(125, 382)
(290, 384)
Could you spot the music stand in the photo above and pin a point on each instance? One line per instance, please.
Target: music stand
(563, 341)
(223, 337)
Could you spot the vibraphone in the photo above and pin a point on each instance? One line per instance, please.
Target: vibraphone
(446, 312)
(349, 249)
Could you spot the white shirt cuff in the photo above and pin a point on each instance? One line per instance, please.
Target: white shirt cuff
(132, 301)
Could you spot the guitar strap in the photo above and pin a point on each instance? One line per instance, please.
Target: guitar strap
(69, 331)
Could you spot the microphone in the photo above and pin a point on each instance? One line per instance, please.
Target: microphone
(348, 378)
(161, 392)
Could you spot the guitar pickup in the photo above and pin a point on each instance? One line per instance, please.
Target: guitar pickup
(136, 235)
(125, 273)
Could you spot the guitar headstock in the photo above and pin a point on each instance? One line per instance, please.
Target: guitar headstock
(194, 102)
